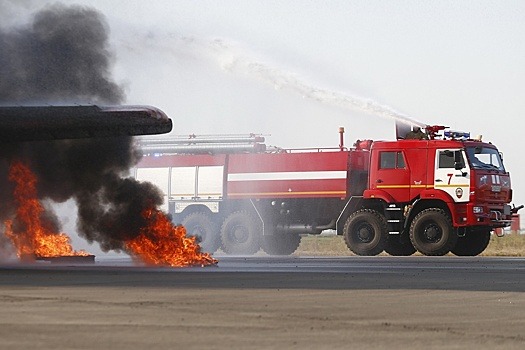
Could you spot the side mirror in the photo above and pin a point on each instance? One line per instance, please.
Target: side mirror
(459, 163)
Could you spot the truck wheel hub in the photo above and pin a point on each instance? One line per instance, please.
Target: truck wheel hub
(432, 233)
(196, 231)
(240, 234)
(365, 233)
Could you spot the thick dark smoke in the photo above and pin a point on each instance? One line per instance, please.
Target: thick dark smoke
(63, 56)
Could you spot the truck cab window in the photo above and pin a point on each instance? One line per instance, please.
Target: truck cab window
(400, 161)
(391, 160)
(485, 158)
(448, 159)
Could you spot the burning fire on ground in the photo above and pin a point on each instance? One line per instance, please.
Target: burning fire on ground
(34, 240)
(162, 243)
(159, 242)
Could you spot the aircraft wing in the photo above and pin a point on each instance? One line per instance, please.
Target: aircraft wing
(34, 123)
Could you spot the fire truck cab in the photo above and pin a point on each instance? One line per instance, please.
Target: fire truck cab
(434, 196)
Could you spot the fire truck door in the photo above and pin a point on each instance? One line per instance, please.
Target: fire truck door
(452, 174)
(392, 176)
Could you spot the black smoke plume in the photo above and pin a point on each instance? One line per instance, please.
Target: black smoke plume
(61, 57)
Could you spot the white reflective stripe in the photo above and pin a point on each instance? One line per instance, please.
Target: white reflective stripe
(496, 179)
(288, 175)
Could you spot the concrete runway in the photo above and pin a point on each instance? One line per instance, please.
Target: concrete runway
(267, 302)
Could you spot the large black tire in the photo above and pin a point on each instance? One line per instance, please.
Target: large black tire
(365, 232)
(281, 244)
(398, 245)
(431, 232)
(200, 225)
(241, 234)
(473, 243)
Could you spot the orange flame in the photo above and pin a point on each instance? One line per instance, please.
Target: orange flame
(162, 243)
(158, 243)
(36, 240)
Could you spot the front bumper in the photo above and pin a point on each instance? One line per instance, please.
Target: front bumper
(487, 215)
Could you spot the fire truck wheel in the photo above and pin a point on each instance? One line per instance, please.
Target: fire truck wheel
(399, 246)
(200, 225)
(241, 234)
(431, 232)
(473, 243)
(284, 244)
(365, 232)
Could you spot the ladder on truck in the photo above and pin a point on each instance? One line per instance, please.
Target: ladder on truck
(202, 144)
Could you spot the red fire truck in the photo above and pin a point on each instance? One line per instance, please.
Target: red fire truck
(434, 196)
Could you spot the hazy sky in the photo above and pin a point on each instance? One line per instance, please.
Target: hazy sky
(300, 69)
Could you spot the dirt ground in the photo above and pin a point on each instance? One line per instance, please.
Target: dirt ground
(123, 317)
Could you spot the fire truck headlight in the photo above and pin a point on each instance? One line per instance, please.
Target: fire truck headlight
(477, 210)
(483, 180)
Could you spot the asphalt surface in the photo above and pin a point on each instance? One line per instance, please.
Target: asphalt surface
(266, 302)
(439, 273)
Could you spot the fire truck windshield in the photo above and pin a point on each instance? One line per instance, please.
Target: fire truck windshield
(485, 158)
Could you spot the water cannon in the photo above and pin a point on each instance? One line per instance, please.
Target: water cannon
(432, 130)
(457, 135)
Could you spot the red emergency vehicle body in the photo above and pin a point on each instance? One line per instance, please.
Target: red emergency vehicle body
(433, 196)
(270, 175)
(287, 175)
(277, 195)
